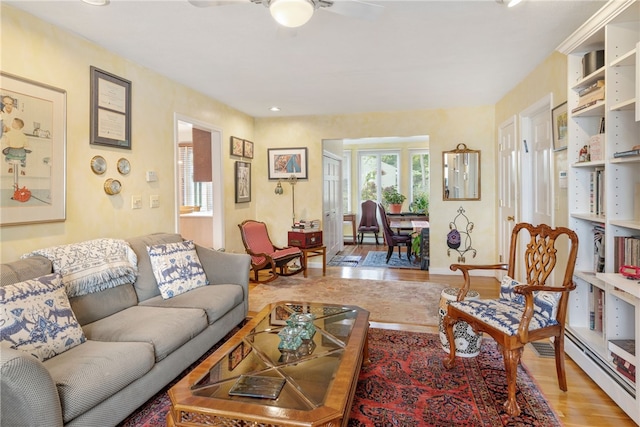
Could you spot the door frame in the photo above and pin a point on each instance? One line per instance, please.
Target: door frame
(217, 176)
(337, 235)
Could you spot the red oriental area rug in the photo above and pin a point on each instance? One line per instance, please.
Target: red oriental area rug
(406, 385)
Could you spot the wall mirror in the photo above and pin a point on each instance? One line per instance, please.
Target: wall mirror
(461, 174)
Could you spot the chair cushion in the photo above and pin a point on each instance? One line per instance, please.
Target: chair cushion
(176, 267)
(544, 302)
(502, 314)
(286, 253)
(37, 317)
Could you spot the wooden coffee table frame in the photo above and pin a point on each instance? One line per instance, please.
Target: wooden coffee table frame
(188, 409)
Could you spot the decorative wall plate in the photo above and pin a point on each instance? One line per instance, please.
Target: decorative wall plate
(124, 167)
(112, 186)
(98, 165)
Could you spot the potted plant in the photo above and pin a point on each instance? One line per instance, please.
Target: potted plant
(392, 198)
(420, 204)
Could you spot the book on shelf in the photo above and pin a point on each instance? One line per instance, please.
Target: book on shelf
(628, 153)
(625, 368)
(589, 98)
(626, 349)
(596, 191)
(584, 107)
(592, 308)
(596, 147)
(591, 88)
(626, 251)
(598, 249)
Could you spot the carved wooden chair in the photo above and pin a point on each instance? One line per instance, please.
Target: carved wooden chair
(368, 220)
(525, 312)
(264, 255)
(393, 239)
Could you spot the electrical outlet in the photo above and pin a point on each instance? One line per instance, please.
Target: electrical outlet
(154, 201)
(136, 202)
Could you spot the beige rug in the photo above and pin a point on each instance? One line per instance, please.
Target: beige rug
(387, 301)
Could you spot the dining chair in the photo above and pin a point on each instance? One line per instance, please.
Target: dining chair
(527, 310)
(393, 239)
(265, 255)
(368, 220)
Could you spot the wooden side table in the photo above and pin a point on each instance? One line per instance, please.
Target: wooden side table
(311, 252)
(351, 217)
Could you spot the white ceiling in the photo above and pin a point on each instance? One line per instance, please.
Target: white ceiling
(416, 55)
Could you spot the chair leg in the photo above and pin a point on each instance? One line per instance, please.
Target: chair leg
(399, 252)
(448, 323)
(511, 360)
(558, 345)
(389, 252)
(376, 239)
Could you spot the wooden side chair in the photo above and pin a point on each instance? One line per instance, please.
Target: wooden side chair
(393, 239)
(525, 312)
(368, 220)
(264, 255)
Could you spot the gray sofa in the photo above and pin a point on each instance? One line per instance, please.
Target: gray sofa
(136, 341)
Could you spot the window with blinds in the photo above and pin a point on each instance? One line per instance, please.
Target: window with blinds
(192, 193)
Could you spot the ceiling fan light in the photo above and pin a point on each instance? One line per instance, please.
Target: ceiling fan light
(291, 13)
(512, 3)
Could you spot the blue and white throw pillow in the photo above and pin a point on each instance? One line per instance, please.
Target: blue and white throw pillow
(544, 303)
(37, 317)
(176, 267)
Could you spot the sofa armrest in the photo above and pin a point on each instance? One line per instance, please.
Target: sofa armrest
(225, 268)
(29, 394)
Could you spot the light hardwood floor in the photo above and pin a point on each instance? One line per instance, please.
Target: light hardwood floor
(583, 405)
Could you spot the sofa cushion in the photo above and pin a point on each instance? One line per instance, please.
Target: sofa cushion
(165, 328)
(96, 306)
(38, 317)
(24, 269)
(176, 267)
(146, 286)
(215, 300)
(90, 373)
(92, 265)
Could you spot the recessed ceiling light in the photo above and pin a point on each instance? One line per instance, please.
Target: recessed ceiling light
(274, 109)
(96, 2)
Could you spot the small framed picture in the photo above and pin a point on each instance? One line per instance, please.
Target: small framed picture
(287, 162)
(559, 118)
(236, 356)
(243, 182)
(110, 110)
(248, 149)
(237, 146)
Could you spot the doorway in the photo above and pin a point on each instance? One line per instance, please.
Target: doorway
(199, 196)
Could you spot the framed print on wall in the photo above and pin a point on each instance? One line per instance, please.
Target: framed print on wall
(34, 151)
(559, 120)
(243, 182)
(285, 162)
(110, 110)
(237, 146)
(248, 149)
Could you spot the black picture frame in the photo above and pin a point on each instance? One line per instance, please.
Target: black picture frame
(110, 110)
(243, 182)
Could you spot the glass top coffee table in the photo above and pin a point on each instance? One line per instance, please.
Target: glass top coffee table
(317, 380)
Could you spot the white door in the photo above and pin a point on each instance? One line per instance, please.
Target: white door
(541, 150)
(332, 204)
(508, 184)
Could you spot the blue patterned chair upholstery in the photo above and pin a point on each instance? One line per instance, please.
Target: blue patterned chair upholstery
(526, 311)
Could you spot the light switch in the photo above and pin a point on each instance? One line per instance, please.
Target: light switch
(136, 202)
(152, 176)
(154, 201)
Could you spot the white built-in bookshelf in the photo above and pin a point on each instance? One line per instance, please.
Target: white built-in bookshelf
(603, 326)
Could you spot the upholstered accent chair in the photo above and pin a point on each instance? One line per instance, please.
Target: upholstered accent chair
(266, 256)
(393, 239)
(368, 220)
(526, 311)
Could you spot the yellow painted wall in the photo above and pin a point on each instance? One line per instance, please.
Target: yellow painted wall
(44, 53)
(473, 126)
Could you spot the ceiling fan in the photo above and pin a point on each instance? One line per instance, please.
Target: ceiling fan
(295, 13)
